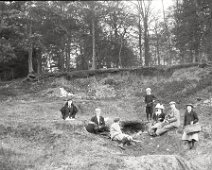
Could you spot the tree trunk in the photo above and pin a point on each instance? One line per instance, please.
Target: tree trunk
(196, 56)
(39, 62)
(146, 43)
(140, 37)
(61, 61)
(157, 45)
(144, 10)
(168, 35)
(158, 51)
(122, 38)
(30, 66)
(93, 43)
(62, 56)
(120, 63)
(68, 57)
(50, 66)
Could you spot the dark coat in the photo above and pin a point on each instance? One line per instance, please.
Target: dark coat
(189, 117)
(149, 100)
(101, 121)
(159, 117)
(68, 111)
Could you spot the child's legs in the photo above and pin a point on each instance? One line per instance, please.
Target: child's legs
(65, 115)
(149, 111)
(126, 140)
(73, 114)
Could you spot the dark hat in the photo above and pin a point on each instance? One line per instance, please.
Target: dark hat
(116, 119)
(189, 104)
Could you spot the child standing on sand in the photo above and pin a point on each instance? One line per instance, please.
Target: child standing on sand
(149, 100)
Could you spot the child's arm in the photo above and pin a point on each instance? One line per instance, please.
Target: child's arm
(145, 99)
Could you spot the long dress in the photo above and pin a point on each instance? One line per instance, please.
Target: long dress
(189, 117)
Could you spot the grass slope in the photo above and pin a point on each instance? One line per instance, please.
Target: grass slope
(33, 136)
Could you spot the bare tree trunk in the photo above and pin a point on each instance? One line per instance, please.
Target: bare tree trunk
(50, 66)
(39, 63)
(30, 66)
(144, 11)
(61, 61)
(93, 43)
(68, 57)
(146, 43)
(120, 63)
(157, 43)
(158, 51)
(122, 38)
(140, 37)
(196, 56)
(164, 16)
(62, 56)
(167, 31)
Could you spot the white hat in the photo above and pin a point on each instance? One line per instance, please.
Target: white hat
(158, 106)
(172, 102)
(148, 89)
(162, 107)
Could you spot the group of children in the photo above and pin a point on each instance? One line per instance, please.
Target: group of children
(159, 122)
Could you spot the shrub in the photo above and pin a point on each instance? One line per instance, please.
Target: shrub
(111, 81)
(100, 91)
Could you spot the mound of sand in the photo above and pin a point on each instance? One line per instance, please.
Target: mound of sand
(56, 92)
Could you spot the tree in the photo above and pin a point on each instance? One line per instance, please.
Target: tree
(156, 30)
(193, 29)
(92, 12)
(144, 12)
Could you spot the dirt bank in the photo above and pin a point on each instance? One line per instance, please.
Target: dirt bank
(33, 136)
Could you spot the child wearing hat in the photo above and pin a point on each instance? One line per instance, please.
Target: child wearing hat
(69, 110)
(190, 118)
(158, 118)
(159, 114)
(171, 121)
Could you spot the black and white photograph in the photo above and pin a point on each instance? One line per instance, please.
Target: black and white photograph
(106, 85)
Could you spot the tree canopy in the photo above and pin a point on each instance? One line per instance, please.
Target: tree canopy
(51, 36)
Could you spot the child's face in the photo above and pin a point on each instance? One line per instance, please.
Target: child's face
(172, 106)
(189, 108)
(148, 92)
(69, 102)
(158, 111)
(98, 112)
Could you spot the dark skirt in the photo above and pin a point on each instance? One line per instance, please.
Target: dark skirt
(90, 128)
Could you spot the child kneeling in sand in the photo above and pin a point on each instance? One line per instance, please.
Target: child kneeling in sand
(116, 134)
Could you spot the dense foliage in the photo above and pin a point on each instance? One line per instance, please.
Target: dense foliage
(39, 36)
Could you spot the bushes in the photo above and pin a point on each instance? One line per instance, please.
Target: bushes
(175, 90)
(98, 90)
(111, 81)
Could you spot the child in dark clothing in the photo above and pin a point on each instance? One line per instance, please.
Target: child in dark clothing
(69, 110)
(149, 100)
(189, 119)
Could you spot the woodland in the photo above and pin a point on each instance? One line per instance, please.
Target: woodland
(60, 36)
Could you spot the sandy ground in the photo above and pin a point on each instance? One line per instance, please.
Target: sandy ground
(33, 136)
